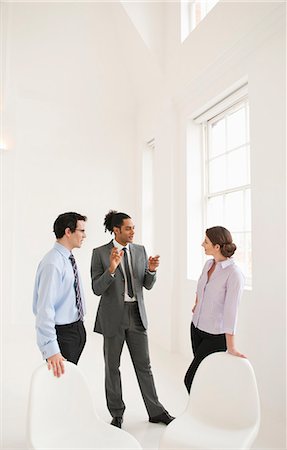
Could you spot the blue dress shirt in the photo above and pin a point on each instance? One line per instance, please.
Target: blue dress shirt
(54, 300)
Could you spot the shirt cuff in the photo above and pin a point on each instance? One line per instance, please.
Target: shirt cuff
(229, 331)
(152, 272)
(50, 349)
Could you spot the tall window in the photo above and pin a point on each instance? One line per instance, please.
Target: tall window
(227, 187)
(192, 12)
(225, 167)
(148, 196)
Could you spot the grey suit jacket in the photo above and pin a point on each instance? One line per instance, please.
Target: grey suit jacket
(112, 288)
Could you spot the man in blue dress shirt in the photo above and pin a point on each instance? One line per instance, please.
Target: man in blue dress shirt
(58, 301)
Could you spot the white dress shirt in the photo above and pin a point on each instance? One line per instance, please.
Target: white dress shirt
(218, 298)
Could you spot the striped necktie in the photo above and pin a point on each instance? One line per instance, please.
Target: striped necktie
(77, 287)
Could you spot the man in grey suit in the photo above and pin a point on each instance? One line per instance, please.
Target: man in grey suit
(120, 270)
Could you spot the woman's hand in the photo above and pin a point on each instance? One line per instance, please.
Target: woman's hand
(231, 347)
(235, 352)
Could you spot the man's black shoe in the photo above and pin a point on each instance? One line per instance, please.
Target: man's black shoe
(164, 417)
(117, 422)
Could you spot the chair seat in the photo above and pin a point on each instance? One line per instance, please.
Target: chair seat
(187, 433)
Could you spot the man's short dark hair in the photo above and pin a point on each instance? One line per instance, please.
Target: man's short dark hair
(66, 220)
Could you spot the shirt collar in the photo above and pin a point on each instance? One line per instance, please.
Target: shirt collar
(62, 249)
(225, 263)
(120, 246)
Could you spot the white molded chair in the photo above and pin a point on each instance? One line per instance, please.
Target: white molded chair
(223, 410)
(61, 415)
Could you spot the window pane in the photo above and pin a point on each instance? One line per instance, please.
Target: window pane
(248, 259)
(196, 13)
(210, 4)
(147, 196)
(217, 138)
(239, 241)
(214, 211)
(248, 162)
(234, 211)
(236, 129)
(247, 121)
(227, 177)
(217, 174)
(198, 10)
(243, 254)
(237, 168)
(247, 210)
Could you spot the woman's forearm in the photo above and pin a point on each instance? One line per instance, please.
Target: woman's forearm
(231, 346)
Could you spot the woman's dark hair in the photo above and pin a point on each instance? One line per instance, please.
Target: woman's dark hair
(222, 237)
(66, 220)
(114, 219)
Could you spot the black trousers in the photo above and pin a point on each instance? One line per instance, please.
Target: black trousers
(71, 339)
(203, 344)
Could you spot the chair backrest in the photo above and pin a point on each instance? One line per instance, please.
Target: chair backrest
(224, 392)
(53, 400)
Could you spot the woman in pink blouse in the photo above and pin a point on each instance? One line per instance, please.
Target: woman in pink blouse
(218, 293)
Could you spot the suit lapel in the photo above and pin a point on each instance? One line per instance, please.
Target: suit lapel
(133, 257)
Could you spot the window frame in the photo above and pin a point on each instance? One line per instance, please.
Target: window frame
(207, 194)
(188, 16)
(197, 141)
(147, 197)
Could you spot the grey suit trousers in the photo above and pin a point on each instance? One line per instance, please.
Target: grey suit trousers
(133, 333)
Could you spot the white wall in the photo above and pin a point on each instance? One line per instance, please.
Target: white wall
(70, 133)
(237, 42)
(83, 93)
(147, 18)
